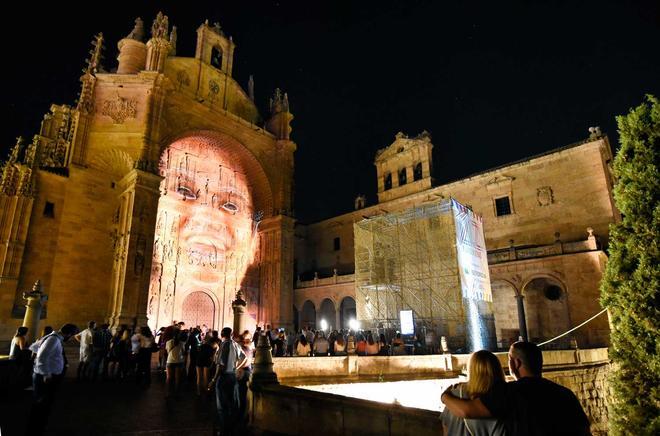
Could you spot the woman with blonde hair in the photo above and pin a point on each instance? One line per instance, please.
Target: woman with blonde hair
(484, 371)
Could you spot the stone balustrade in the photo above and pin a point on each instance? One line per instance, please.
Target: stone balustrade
(287, 410)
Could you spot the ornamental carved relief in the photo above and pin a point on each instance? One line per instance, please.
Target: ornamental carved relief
(544, 196)
(120, 109)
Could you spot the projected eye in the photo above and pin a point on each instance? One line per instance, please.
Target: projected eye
(186, 192)
(230, 207)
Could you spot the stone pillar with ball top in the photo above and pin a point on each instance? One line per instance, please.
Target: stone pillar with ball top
(35, 302)
(239, 307)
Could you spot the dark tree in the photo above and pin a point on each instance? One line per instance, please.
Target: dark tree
(631, 286)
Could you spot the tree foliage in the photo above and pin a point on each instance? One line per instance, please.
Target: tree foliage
(631, 285)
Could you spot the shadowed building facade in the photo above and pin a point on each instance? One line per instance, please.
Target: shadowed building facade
(546, 224)
(156, 198)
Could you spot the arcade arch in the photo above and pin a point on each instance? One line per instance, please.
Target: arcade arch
(327, 313)
(546, 310)
(347, 312)
(308, 315)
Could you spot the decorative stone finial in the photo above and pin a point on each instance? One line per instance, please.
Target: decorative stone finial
(263, 364)
(13, 155)
(31, 152)
(217, 29)
(173, 37)
(240, 299)
(594, 132)
(160, 26)
(138, 31)
(251, 87)
(36, 292)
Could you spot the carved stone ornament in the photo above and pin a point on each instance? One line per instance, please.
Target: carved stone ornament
(544, 196)
(119, 109)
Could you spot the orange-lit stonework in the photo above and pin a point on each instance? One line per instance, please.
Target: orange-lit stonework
(156, 197)
(205, 237)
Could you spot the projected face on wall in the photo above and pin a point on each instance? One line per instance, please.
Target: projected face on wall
(204, 239)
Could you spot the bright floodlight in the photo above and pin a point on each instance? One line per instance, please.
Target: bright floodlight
(354, 324)
(324, 324)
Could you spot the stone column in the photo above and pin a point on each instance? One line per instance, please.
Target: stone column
(134, 248)
(522, 322)
(239, 307)
(338, 318)
(35, 301)
(276, 277)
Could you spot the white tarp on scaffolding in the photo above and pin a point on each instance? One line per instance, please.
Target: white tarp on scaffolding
(409, 260)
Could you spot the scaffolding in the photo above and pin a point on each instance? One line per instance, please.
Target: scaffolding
(408, 261)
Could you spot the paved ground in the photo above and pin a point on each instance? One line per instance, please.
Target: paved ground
(113, 408)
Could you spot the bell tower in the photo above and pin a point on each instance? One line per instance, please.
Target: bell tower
(214, 48)
(404, 167)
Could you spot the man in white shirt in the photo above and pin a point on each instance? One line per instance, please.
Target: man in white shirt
(230, 355)
(49, 367)
(85, 339)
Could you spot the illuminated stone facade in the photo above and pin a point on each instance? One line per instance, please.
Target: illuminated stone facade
(157, 196)
(546, 223)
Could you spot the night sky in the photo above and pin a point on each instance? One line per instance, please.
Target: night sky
(493, 82)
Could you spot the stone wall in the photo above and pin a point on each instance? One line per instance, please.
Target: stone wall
(277, 409)
(548, 194)
(583, 371)
(590, 386)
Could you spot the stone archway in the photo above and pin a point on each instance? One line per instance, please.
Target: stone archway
(326, 312)
(308, 315)
(347, 312)
(546, 310)
(198, 309)
(505, 309)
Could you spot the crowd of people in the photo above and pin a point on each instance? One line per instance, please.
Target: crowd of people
(220, 363)
(310, 342)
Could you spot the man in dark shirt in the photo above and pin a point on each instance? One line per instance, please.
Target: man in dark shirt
(531, 405)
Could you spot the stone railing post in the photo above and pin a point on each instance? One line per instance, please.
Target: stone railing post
(35, 301)
(239, 307)
(262, 372)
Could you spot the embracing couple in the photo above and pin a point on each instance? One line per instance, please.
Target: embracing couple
(530, 405)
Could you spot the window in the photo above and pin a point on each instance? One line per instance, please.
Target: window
(403, 177)
(49, 210)
(552, 292)
(216, 58)
(502, 206)
(388, 181)
(417, 172)
(337, 244)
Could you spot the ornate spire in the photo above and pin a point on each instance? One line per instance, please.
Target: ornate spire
(251, 87)
(13, 155)
(279, 102)
(31, 152)
(88, 79)
(138, 31)
(96, 56)
(160, 26)
(173, 41)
